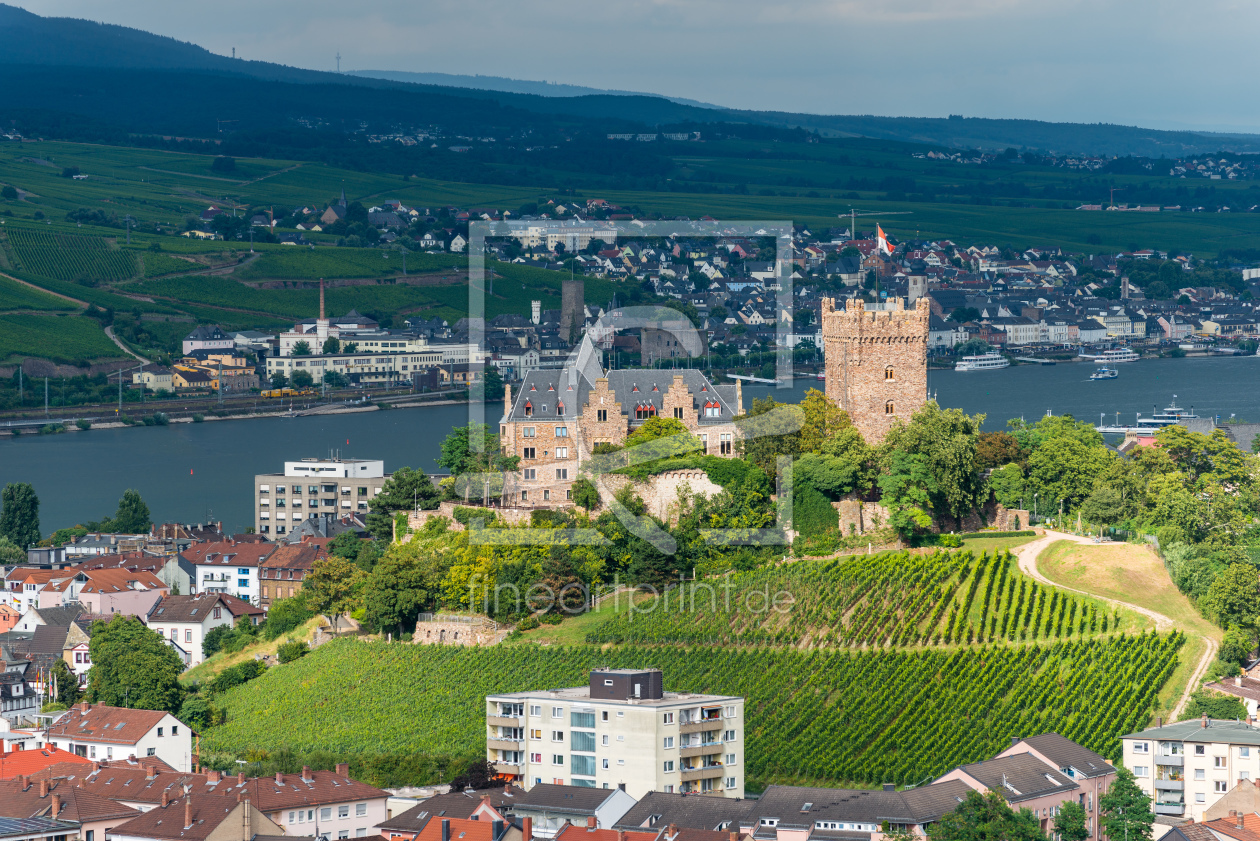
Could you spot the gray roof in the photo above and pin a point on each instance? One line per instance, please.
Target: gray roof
(1019, 777)
(803, 807)
(1065, 754)
(455, 804)
(577, 800)
(63, 615)
(1218, 730)
(28, 827)
(687, 811)
(541, 392)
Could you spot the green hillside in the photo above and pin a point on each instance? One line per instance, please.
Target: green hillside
(816, 717)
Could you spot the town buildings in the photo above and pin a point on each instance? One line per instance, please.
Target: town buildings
(621, 731)
(100, 732)
(186, 620)
(1187, 766)
(313, 488)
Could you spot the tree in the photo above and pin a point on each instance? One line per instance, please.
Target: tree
(907, 489)
(1007, 483)
(214, 639)
(279, 380)
(223, 163)
(19, 516)
(1237, 645)
(490, 386)
(972, 347)
(301, 348)
(655, 428)
(986, 817)
(769, 430)
(405, 490)
(302, 379)
(1070, 824)
(479, 774)
(68, 691)
(396, 592)
(458, 455)
(345, 545)
(335, 379)
(132, 516)
(995, 449)
(946, 439)
(285, 615)
(9, 192)
(10, 552)
(132, 666)
(331, 345)
(1103, 506)
(585, 494)
(1125, 810)
(1204, 702)
(822, 420)
(332, 585)
(1234, 597)
(962, 314)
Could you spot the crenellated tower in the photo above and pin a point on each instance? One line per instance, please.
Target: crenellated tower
(876, 361)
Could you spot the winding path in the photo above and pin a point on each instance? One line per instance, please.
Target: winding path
(109, 331)
(1028, 554)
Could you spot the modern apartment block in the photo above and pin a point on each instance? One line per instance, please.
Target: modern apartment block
(620, 731)
(1186, 767)
(312, 488)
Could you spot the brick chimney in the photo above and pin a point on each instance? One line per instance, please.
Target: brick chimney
(25, 781)
(343, 769)
(150, 772)
(527, 828)
(306, 774)
(672, 831)
(734, 836)
(43, 788)
(240, 778)
(188, 822)
(56, 807)
(485, 800)
(590, 823)
(85, 707)
(279, 778)
(166, 799)
(1240, 820)
(96, 766)
(213, 776)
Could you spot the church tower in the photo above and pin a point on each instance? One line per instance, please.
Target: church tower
(876, 362)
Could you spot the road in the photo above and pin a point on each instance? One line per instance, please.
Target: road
(109, 331)
(1028, 554)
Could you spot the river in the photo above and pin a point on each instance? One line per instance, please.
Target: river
(195, 472)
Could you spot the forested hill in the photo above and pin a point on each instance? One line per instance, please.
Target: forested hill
(57, 51)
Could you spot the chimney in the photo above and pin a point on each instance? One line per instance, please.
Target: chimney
(590, 824)
(213, 776)
(1240, 820)
(446, 829)
(240, 778)
(306, 774)
(150, 772)
(96, 766)
(527, 826)
(507, 789)
(496, 830)
(85, 707)
(485, 800)
(343, 769)
(621, 833)
(188, 813)
(43, 789)
(1014, 741)
(279, 778)
(56, 808)
(25, 781)
(249, 819)
(672, 831)
(166, 799)
(1203, 723)
(890, 786)
(734, 836)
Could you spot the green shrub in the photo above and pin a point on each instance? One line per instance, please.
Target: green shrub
(292, 650)
(551, 618)
(83, 423)
(813, 514)
(198, 417)
(465, 515)
(235, 676)
(51, 429)
(949, 541)
(529, 623)
(1025, 533)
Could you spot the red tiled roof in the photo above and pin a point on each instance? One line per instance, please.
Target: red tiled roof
(110, 581)
(28, 799)
(228, 553)
(569, 832)
(27, 762)
(197, 608)
(296, 556)
(191, 818)
(102, 724)
(269, 794)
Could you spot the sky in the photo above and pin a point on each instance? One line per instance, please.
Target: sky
(1154, 63)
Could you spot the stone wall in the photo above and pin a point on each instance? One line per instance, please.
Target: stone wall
(876, 362)
(660, 492)
(458, 630)
(513, 516)
(859, 517)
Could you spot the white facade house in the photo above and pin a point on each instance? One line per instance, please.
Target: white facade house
(185, 620)
(313, 488)
(621, 731)
(228, 567)
(98, 732)
(1186, 767)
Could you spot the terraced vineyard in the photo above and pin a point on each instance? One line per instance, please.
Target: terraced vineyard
(69, 257)
(892, 599)
(821, 717)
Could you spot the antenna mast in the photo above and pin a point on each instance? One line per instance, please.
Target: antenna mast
(339, 61)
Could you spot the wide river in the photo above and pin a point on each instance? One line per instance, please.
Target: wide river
(195, 472)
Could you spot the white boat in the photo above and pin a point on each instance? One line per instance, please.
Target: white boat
(1104, 373)
(1145, 427)
(990, 361)
(1113, 356)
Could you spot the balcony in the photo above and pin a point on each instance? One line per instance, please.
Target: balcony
(1177, 760)
(505, 744)
(701, 750)
(511, 768)
(709, 772)
(1170, 785)
(1170, 808)
(504, 720)
(698, 726)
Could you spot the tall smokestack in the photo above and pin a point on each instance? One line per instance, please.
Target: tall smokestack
(321, 299)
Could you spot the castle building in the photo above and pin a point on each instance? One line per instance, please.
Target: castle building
(556, 417)
(876, 360)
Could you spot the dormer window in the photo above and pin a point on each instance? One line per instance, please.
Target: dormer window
(529, 409)
(560, 408)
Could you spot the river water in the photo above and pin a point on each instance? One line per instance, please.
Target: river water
(195, 472)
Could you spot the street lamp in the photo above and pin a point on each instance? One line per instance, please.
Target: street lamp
(1035, 505)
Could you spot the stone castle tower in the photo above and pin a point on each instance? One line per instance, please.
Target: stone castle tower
(876, 362)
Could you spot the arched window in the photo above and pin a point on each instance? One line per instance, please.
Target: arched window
(888, 408)
(888, 373)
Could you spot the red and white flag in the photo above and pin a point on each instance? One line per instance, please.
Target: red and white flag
(882, 241)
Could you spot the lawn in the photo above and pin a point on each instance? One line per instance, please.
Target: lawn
(1136, 575)
(994, 544)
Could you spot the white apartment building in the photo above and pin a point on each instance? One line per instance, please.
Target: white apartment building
(620, 731)
(1186, 767)
(315, 487)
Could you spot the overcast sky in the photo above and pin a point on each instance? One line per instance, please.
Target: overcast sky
(1157, 63)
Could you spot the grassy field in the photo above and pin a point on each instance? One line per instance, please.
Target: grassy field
(19, 296)
(63, 339)
(1133, 574)
(221, 660)
(290, 263)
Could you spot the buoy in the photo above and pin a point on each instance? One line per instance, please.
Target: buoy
(190, 471)
(347, 442)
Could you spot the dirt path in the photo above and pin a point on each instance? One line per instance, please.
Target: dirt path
(109, 331)
(1028, 554)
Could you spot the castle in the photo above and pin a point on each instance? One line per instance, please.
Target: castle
(876, 361)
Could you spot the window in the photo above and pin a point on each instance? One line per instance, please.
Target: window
(601, 415)
(1244, 775)
(728, 735)
(1220, 786)
(1200, 774)
(292, 815)
(730, 759)
(1141, 747)
(530, 474)
(1200, 750)
(535, 734)
(343, 811)
(730, 712)
(535, 757)
(669, 766)
(360, 810)
(603, 740)
(160, 731)
(577, 719)
(361, 832)
(557, 759)
(562, 452)
(604, 764)
(151, 752)
(175, 731)
(584, 742)
(1218, 762)
(188, 635)
(769, 821)
(562, 432)
(725, 448)
(669, 742)
(667, 718)
(527, 432)
(90, 835)
(557, 735)
(678, 413)
(325, 814)
(888, 373)
(583, 766)
(603, 716)
(528, 452)
(888, 408)
(1141, 771)
(535, 709)
(1200, 798)
(557, 712)
(1244, 752)
(562, 473)
(343, 833)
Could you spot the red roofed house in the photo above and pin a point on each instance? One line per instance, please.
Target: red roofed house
(185, 620)
(198, 818)
(23, 763)
(105, 591)
(286, 568)
(229, 566)
(570, 832)
(96, 815)
(462, 829)
(98, 732)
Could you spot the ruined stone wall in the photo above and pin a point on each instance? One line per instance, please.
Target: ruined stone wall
(859, 517)
(876, 362)
(456, 630)
(513, 516)
(660, 492)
